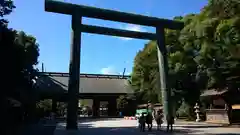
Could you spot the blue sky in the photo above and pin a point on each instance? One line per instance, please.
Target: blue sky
(99, 54)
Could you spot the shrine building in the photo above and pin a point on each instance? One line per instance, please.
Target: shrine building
(99, 89)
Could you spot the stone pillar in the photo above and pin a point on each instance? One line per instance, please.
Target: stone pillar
(163, 70)
(74, 73)
(95, 107)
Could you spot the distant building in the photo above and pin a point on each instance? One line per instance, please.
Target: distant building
(100, 88)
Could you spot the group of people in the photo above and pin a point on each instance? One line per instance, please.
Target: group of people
(148, 120)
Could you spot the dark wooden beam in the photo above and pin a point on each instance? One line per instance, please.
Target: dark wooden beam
(74, 71)
(105, 14)
(117, 32)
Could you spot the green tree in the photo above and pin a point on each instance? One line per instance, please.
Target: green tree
(145, 74)
(46, 105)
(18, 54)
(61, 108)
(203, 55)
(6, 7)
(122, 102)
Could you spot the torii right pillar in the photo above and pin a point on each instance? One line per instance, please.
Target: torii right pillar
(163, 70)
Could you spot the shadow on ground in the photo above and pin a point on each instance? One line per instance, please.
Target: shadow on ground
(128, 131)
(199, 126)
(90, 119)
(223, 134)
(46, 128)
(80, 126)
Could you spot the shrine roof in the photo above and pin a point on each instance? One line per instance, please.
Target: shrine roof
(213, 92)
(84, 75)
(89, 83)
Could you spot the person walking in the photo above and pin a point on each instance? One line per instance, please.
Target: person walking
(158, 119)
(149, 119)
(141, 122)
(170, 122)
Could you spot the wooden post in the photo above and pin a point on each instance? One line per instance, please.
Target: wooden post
(74, 73)
(163, 70)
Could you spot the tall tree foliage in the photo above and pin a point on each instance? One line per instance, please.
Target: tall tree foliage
(18, 55)
(203, 55)
(145, 74)
(6, 7)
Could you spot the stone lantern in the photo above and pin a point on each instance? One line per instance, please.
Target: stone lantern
(197, 111)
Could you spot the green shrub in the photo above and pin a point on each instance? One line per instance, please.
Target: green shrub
(186, 111)
(183, 110)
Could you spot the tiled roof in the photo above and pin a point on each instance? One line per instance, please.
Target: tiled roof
(83, 75)
(89, 83)
(213, 92)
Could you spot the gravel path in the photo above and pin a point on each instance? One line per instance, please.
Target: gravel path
(129, 127)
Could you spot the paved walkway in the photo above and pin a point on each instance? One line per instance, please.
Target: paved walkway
(129, 127)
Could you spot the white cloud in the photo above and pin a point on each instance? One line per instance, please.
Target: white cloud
(127, 73)
(132, 27)
(109, 70)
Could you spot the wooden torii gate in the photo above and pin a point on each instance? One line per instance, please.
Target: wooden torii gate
(78, 12)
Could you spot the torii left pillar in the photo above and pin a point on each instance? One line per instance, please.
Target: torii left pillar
(74, 73)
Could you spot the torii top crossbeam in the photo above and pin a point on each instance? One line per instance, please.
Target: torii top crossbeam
(105, 14)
